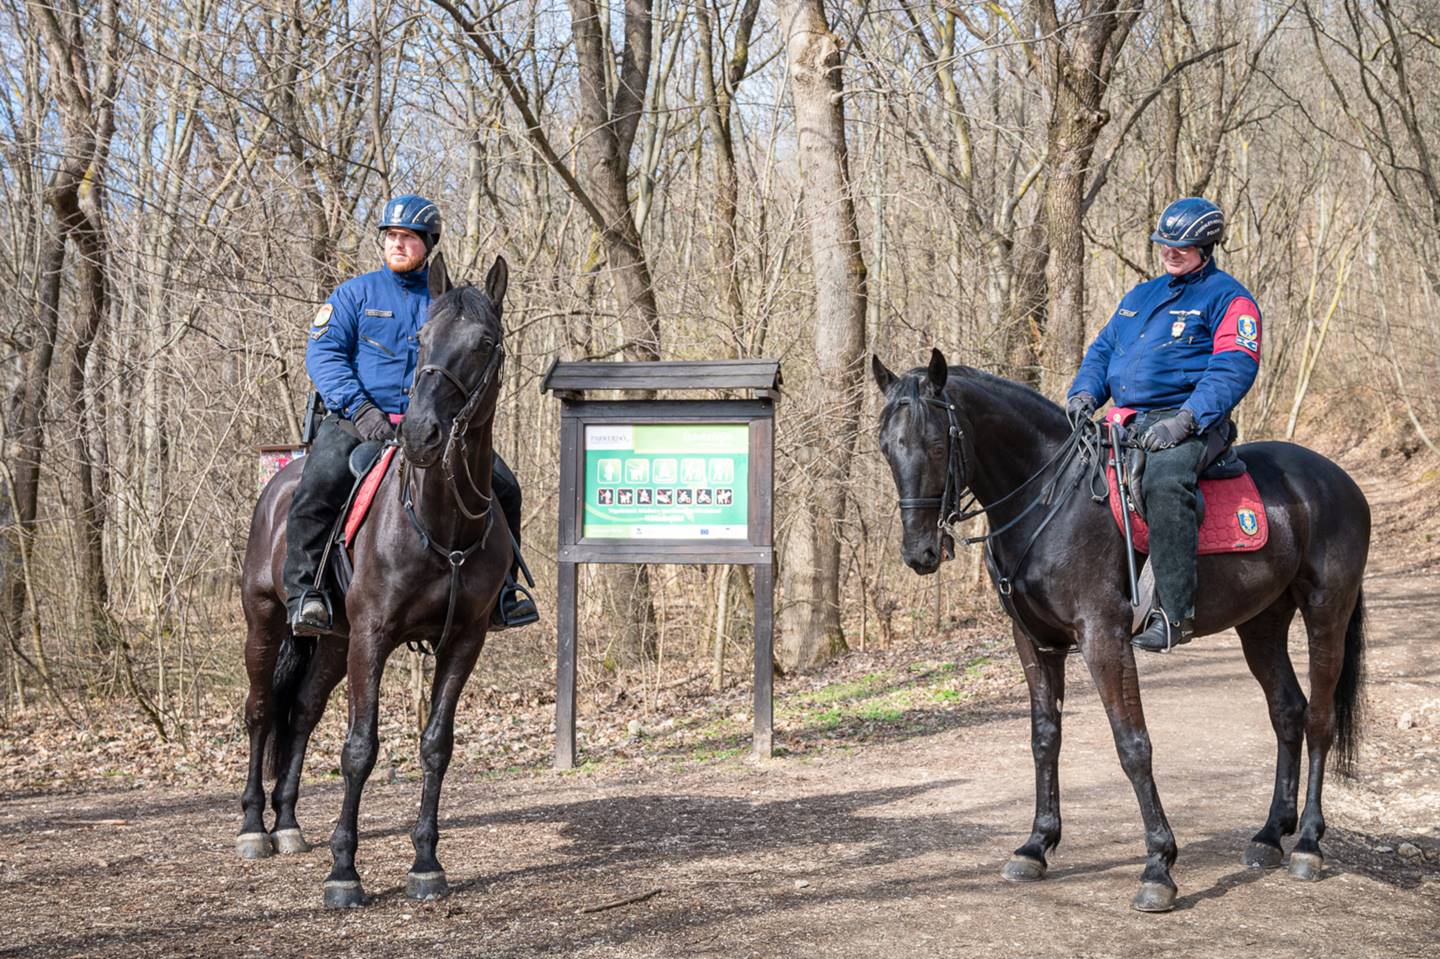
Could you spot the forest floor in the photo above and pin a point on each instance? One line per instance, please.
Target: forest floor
(903, 782)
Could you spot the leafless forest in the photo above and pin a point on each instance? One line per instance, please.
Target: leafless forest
(810, 180)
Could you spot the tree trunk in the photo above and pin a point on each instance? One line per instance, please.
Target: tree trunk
(810, 627)
(608, 132)
(1082, 55)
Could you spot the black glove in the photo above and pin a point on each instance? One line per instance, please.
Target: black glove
(1168, 432)
(372, 424)
(1080, 407)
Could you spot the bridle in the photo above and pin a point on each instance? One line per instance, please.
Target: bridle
(1083, 442)
(456, 448)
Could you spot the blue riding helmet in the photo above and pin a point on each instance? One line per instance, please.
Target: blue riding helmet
(414, 213)
(1190, 221)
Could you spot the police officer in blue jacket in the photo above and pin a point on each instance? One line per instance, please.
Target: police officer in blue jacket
(1181, 350)
(361, 356)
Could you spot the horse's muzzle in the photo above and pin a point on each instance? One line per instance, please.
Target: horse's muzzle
(423, 443)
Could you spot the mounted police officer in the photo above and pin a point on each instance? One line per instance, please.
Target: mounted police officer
(361, 358)
(1181, 350)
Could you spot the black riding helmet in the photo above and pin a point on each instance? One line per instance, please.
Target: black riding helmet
(413, 212)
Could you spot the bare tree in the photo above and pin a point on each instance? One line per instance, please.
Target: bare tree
(810, 628)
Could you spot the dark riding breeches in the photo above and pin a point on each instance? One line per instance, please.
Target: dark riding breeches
(1169, 487)
(324, 485)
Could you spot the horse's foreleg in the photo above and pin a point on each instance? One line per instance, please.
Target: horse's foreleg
(1264, 642)
(325, 672)
(362, 745)
(1112, 665)
(427, 878)
(260, 654)
(1045, 676)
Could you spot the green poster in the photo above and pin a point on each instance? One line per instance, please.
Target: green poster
(676, 481)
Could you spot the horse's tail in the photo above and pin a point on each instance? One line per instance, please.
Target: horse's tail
(1348, 699)
(291, 665)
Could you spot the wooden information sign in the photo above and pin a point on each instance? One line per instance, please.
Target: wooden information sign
(665, 481)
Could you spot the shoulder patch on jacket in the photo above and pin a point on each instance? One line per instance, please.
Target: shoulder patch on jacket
(322, 315)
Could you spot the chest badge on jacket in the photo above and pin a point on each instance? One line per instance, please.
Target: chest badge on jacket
(1177, 328)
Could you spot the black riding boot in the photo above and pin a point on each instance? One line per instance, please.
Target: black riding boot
(515, 607)
(1169, 486)
(324, 484)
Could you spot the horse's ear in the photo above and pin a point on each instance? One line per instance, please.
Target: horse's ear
(883, 376)
(439, 277)
(497, 280)
(938, 371)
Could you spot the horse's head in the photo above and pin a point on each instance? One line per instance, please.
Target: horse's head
(458, 377)
(915, 438)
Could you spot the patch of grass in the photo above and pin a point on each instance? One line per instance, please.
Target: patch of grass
(861, 688)
(946, 695)
(881, 714)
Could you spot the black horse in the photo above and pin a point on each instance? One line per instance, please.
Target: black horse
(1060, 566)
(428, 566)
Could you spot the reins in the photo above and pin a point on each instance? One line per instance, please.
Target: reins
(455, 448)
(1084, 443)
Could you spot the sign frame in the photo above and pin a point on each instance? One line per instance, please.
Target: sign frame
(569, 381)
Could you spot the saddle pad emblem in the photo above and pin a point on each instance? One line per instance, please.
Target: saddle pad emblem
(1249, 523)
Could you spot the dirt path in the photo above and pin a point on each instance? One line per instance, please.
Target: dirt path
(887, 850)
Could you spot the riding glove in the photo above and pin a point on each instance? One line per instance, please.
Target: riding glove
(372, 424)
(1080, 407)
(1168, 432)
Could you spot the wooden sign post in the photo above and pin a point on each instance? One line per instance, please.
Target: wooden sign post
(665, 481)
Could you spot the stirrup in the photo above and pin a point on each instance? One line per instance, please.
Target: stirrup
(1174, 634)
(515, 607)
(302, 624)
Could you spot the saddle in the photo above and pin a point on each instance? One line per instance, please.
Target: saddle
(1230, 511)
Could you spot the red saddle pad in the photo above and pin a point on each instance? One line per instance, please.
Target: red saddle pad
(1234, 516)
(365, 495)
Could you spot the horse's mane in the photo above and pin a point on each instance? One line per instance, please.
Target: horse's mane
(1016, 395)
(1024, 400)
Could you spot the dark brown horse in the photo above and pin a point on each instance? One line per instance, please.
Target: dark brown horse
(428, 566)
(1061, 572)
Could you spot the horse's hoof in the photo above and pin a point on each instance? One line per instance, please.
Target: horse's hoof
(1154, 897)
(1023, 869)
(289, 841)
(1306, 865)
(427, 885)
(343, 894)
(254, 845)
(1259, 855)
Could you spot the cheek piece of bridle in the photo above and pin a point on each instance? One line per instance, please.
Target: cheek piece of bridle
(456, 450)
(1083, 442)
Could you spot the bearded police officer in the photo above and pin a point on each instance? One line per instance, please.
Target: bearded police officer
(361, 357)
(1182, 350)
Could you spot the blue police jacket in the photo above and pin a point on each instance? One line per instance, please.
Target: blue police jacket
(363, 342)
(1190, 342)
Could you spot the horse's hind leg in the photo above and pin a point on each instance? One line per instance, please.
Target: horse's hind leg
(1264, 640)
(324, 672)
(1335, 646)
(261, 651)
(427, 878)
(1045, 676)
